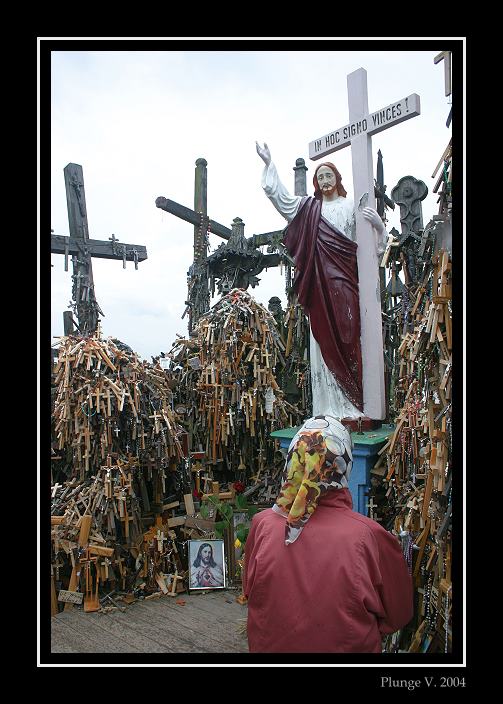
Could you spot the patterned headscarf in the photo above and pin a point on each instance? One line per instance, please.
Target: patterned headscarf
(319, 459)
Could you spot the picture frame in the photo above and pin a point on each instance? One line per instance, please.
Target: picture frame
(207, 568)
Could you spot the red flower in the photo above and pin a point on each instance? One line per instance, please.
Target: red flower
(239, 487)
(197, 494)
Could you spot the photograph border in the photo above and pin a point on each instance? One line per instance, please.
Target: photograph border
(222, 556)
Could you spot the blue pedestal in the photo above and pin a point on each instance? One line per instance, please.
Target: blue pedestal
(366, 447)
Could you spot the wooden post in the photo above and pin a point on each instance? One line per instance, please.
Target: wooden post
(68, 326)
(368, 266)
(54, 598)
(200, 205)
(199, 298)
(300, 170)
(87, 314)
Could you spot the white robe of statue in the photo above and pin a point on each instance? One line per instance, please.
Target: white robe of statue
(328, 397)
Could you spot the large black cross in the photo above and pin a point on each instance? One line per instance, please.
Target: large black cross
(82, 249)
(198, 296)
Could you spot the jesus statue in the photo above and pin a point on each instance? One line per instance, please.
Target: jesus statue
(321, 238)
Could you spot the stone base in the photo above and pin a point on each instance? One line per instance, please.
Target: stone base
(361, 425)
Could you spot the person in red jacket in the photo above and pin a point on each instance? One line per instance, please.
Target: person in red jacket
(319, 577)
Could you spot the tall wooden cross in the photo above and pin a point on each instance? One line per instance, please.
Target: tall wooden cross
(357, 134)
(82, 249)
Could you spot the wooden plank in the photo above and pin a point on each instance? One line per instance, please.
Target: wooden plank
(85, 528)
(97, 639)
(141, 620)
(98, 249)
(100, 550)
(127, 627)
(170, 206)
(74, 579)
(173, 504)
(207, 623)
(66, 639)
(54, 598)
(189, 504)
(427, 495)
(205, 628)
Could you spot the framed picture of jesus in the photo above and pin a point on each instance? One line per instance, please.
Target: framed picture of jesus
(206, 564)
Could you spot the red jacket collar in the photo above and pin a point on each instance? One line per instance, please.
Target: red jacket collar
(338, 498)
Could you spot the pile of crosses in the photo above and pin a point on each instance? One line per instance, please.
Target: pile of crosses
(228, 397)
(413, 496)
(108, 402)
(119, 460)
(102, 555)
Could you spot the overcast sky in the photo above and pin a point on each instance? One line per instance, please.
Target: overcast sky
(136, 121)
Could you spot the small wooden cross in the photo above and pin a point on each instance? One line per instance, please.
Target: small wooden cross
(174, 584)
(157, 426)
(207, 480)
(160, 537)
(57, 564)
(265, 355)
(125, 519)
(371, 505)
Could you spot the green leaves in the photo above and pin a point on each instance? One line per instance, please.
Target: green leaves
(225, 510)
(204, 511)
(220, 527)
(242, 532)
(241, 502)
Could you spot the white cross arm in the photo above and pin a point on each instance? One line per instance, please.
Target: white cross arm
(370, 124)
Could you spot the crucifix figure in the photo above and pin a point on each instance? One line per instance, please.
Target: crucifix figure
(336, 246)
(82, 249)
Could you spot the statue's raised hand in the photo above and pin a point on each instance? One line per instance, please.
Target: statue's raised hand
(264, 153)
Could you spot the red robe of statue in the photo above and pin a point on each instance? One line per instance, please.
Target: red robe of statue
(326, 283)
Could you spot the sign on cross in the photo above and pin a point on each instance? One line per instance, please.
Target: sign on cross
(82, 249)
(357, 134)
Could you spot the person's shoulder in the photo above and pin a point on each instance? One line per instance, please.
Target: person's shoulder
(374, 534)
(263, 515)
(368, 525)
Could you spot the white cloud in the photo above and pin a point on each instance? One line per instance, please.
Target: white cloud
(137, 122)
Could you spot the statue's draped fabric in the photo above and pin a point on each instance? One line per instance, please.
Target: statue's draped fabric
(326, 283)
(329, 397)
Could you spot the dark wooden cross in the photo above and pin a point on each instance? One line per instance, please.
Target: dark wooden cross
(82, 249)
(198, 297)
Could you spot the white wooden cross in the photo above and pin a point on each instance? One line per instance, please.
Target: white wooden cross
(357, 134)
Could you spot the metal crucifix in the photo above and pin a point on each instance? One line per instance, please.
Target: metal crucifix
(82, 249)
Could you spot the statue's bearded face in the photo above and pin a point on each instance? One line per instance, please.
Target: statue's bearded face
(326, 180)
